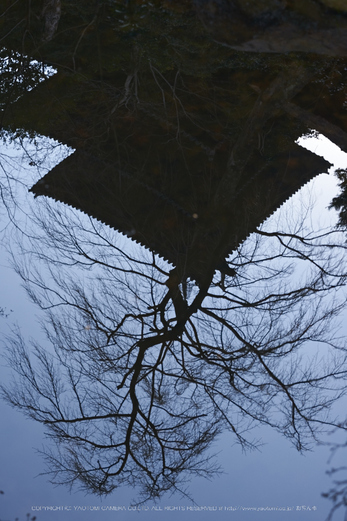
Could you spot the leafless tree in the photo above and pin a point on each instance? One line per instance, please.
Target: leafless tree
(142, 370)
(144, 366)
(338, 491)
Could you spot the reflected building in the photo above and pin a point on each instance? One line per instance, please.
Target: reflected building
(192, 232)
(183, 117)
(186, 162)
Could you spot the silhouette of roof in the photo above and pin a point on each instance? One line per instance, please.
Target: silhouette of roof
(189, 240)
(156, 170)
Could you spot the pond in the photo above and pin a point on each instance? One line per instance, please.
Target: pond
(181, 248)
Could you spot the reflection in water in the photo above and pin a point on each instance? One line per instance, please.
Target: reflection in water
(185, 135)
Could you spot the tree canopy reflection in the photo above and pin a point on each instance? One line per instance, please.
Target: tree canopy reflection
(186, 145)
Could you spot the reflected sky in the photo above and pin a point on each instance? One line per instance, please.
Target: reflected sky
(276, 475)
(187, 273)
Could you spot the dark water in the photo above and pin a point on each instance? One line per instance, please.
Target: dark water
(149, 170)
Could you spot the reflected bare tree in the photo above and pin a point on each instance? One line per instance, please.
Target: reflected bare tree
(338, 491)
(337, 494)
(145, 370)
(339, 203)
(146, 364)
